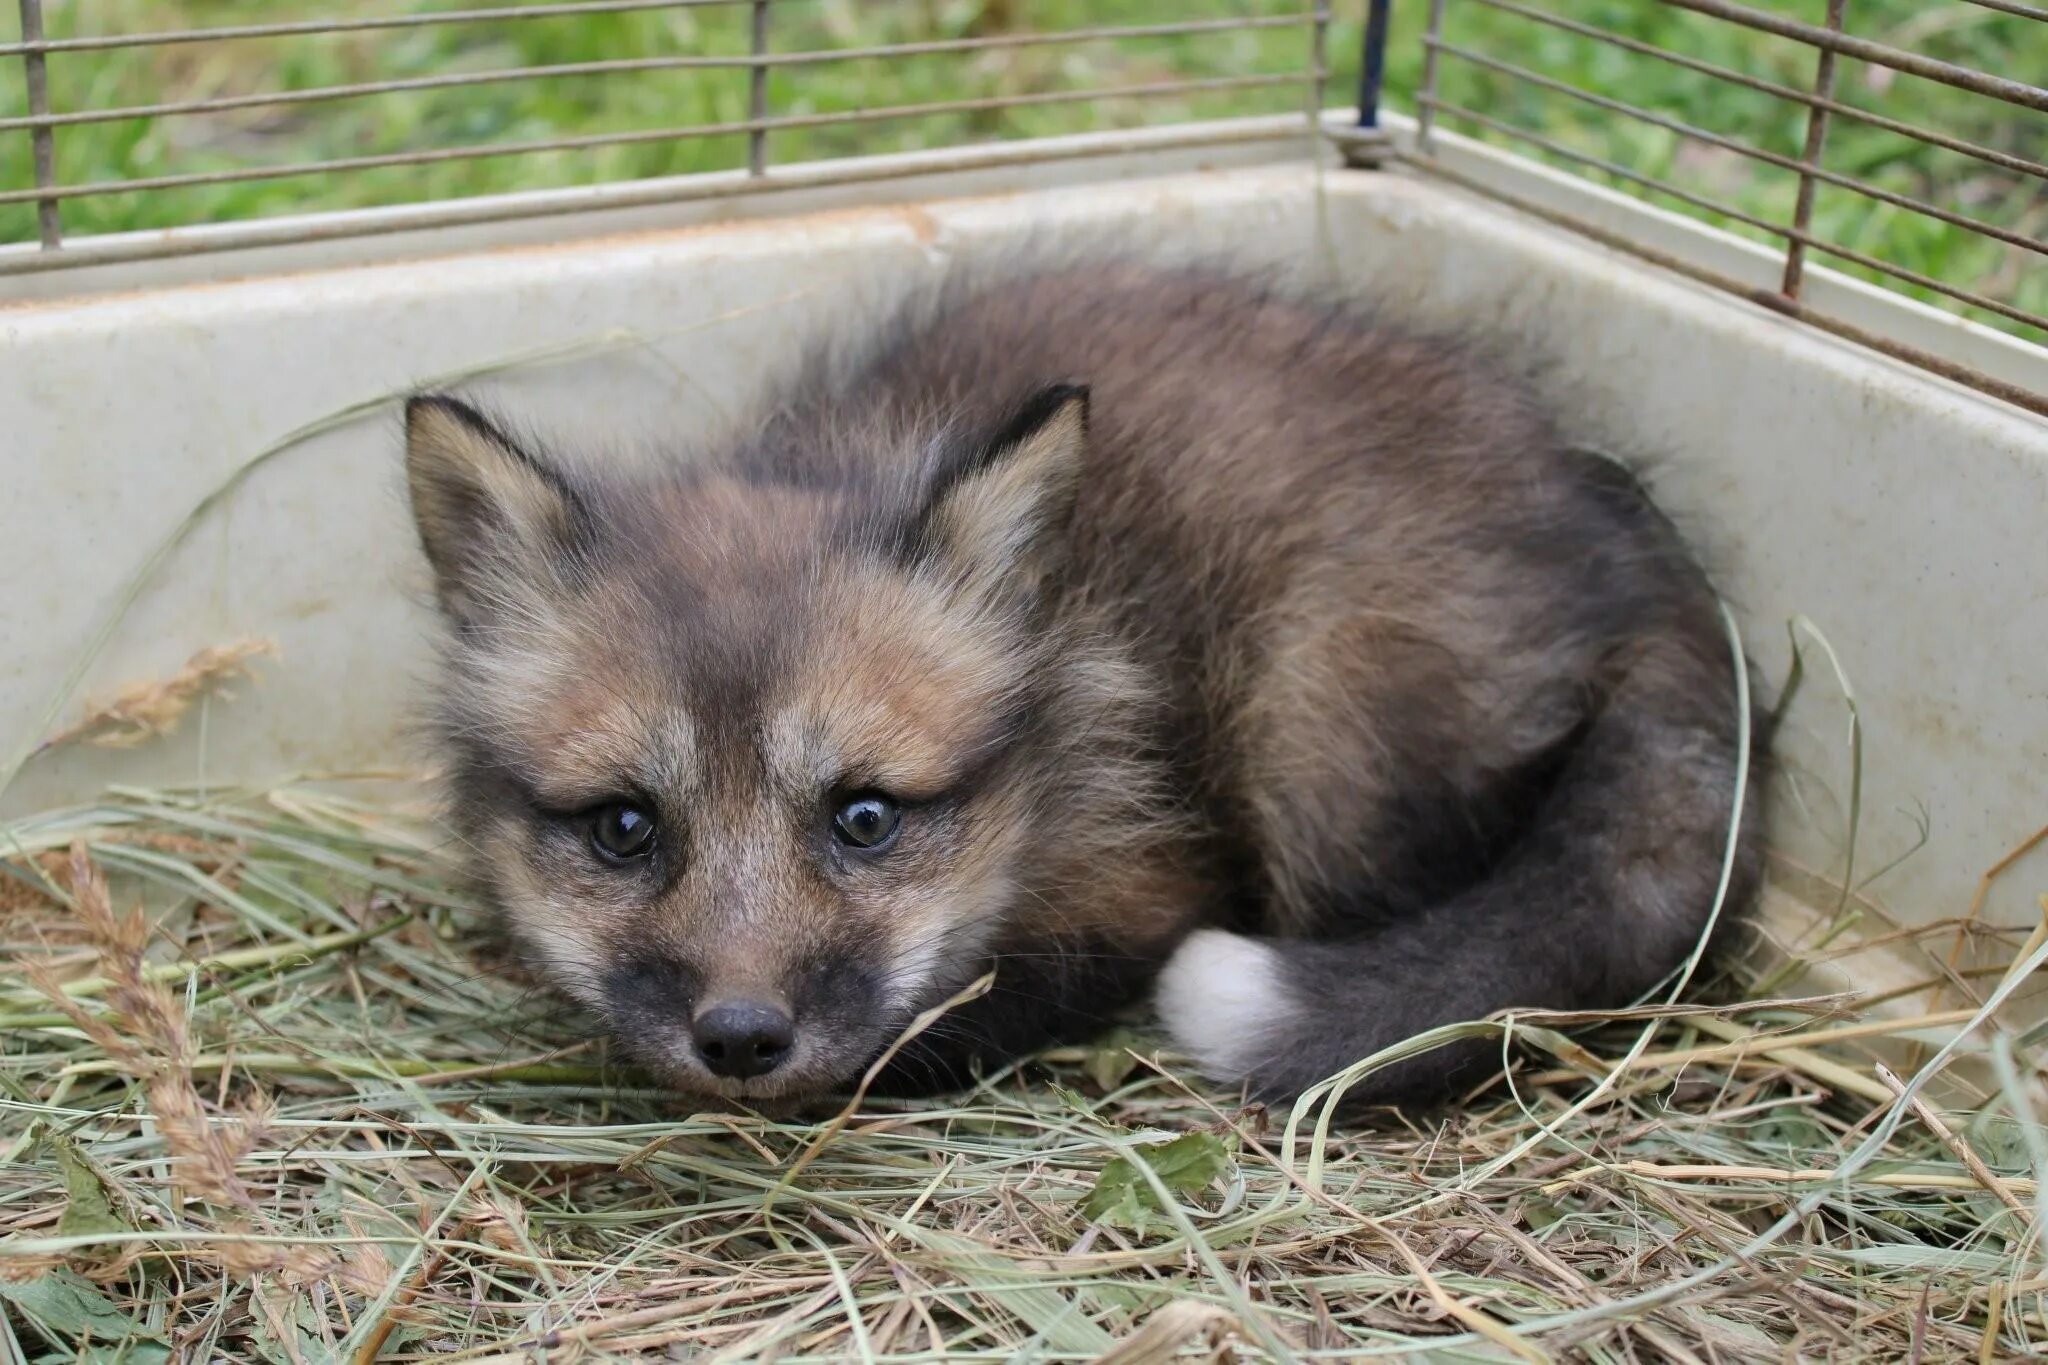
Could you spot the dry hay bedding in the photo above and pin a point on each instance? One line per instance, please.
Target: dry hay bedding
(293, 1110)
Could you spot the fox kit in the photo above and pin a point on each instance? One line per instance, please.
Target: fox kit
(1113, 630)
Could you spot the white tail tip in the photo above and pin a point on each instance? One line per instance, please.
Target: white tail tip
(1223, 1000)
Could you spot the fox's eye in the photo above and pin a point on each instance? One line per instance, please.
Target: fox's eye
(867, 821)
(620, 832)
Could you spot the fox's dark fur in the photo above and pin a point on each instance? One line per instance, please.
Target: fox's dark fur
(1205, 638)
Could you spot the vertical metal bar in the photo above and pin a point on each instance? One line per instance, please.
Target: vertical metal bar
(41, 139)
(1372, 66)
(1318, 58)
(1816, 143)
(1365, 145)
(757, 94)
(1425, 104)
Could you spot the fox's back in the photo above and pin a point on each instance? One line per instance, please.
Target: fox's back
(1240, 438)
(1345, 547)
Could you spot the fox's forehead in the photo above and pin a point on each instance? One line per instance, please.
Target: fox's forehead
(834, 667)
(898, 689)
(717, 529)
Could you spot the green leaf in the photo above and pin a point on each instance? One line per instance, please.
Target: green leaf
(1073, 1099)
(286, 1329)
(67, 1310)
(88, 1209)
(1122, 1197)
(124, 1353)
(1111, 1062)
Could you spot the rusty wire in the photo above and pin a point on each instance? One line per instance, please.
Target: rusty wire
(748, 61)
(754, 128)
(44, 125)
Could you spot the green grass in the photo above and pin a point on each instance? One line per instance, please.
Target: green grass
(592, 105)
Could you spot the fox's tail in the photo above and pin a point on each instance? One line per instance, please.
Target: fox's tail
(1604, 894)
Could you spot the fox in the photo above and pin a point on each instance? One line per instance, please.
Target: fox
(1113, 630)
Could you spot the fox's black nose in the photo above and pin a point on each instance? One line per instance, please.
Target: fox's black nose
(741, 1038)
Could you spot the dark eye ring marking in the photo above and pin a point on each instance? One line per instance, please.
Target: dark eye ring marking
(621, 832)
(867, 821)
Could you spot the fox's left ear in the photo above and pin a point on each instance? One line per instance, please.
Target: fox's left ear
(997, 518)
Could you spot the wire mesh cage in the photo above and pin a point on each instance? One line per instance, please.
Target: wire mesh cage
(1904, 145)
(1846, 141)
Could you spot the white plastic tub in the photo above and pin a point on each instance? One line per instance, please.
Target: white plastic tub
(1903, 515)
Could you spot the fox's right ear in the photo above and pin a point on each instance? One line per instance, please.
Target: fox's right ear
(485, 507)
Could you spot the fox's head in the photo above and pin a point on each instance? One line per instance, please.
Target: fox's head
(758, 768)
